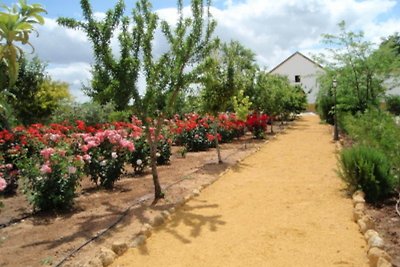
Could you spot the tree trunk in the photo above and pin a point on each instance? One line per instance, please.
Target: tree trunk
(272, 124)
(158, 193)
(216, 141)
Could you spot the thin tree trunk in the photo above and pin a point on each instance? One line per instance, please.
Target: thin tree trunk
(158, 193)
(272, 124)
(216, 140)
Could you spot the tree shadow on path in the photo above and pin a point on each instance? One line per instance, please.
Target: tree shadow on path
(188, 217)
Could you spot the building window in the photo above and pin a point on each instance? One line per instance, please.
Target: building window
(297, 78)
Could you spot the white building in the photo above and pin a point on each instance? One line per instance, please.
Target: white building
(302, 71)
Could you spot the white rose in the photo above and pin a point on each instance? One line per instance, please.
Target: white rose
(139, 162)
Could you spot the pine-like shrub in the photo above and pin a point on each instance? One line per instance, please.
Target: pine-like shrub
(367, 168)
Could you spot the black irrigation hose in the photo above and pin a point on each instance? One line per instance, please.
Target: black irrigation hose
(140, 201)
(15, 221)
(118, 220)
(102, 232)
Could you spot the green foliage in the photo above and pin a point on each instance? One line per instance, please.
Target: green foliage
(103, 168)
(50, 183)
(119, 116)
(325, 104)
(275, 96)
(91, 113)
(16, 25)
(188, 42)
(393, 104)
(359, 69)
(241, 105)
(368, 169)
(195, 139)
(229, 69)
(114, 76)
(34, 96)
(163, 152)
(376, 129)
(140, 157)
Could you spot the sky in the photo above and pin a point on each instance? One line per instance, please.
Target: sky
(273, 29)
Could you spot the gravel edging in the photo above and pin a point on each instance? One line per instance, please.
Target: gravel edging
(377, 256)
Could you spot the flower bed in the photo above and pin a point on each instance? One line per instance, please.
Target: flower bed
(48, 161)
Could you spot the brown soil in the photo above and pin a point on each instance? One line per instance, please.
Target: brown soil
(387, 223)
(282, 206)
(45, 239)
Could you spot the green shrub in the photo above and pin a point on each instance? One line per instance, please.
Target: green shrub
(163, 152)
(393, 104)
(367, 168)
(90, 113)
(324, 105)
(140, 157)
(119, 116)
(50, 178)
(376, 129)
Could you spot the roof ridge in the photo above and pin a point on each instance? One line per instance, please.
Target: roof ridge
(299, 53)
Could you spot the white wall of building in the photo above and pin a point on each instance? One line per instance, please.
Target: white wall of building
(307, 70)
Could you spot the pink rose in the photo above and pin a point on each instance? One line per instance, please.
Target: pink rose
(45, 169)
(47, 152)
(87, 157)
(71, 170)
(3, 184)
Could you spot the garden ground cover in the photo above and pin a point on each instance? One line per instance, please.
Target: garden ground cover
(283, 206)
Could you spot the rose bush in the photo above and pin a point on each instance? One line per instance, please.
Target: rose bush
(105, 154)
(51, 177)
(257, 124)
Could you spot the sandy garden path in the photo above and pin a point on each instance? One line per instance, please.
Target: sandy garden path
(282, 206)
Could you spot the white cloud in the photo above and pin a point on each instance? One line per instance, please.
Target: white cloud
(60, 45)
(75, 74)
(272, 29)
(276, 29)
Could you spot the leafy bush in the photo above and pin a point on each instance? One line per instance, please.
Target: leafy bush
(119, 116)
(376, 129)
(105, 153)
(257, 124)
(163, 152)
(192, 132)
(139, 158)
(51, 177)
(367, 168)
(90, 113)
(393, 104)
(325, 104)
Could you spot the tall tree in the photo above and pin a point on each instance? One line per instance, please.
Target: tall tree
(227, 70)
(359, 69)
(114, 76)
(270, 94)
(189, 42)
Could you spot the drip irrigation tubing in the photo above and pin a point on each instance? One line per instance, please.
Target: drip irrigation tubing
(123, 214)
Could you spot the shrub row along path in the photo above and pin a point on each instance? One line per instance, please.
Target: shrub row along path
(282, 206)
